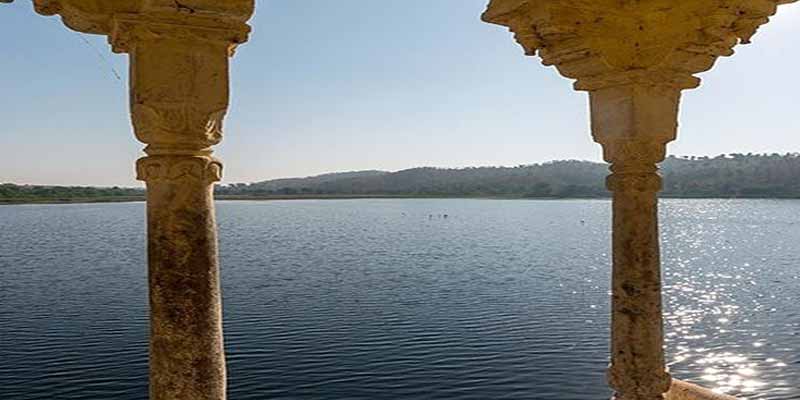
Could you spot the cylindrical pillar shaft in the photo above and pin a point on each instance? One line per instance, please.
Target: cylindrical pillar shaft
(637, 369)
(634, 123)
(187, 360)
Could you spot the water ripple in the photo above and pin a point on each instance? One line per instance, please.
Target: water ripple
(372, 299)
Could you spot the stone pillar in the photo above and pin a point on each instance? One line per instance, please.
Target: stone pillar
(187, 359)
(634, 58)
(179, 55)
(634, 123)
(179, 96)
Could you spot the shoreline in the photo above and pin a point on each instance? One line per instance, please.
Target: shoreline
(136, 199)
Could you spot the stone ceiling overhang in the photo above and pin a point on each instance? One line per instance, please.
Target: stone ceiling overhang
(602, 43)
(103, 16)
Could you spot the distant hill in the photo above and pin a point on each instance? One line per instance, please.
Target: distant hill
(560, 178)
(733, 175)
(312, 181)
(724, 176)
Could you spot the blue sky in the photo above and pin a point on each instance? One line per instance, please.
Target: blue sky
(362, 84)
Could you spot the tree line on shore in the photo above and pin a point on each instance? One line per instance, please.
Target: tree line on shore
(11, 193)
(727, 176)
(724, 176)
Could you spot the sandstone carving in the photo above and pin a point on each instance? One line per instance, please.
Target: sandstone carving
(203, 170)
(179, 54)
(607, 42)
(634, 58)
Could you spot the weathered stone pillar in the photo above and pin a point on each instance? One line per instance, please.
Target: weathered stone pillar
(634, 123)
(179, 55)
(187, 358)
(634, 58)
(179, 96)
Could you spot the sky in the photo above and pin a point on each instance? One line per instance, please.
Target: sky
(346, 85)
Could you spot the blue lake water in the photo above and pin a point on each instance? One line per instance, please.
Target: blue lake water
(388, 299)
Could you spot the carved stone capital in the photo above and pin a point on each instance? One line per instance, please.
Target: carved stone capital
(634, 156)
(179, 79)
(634, 122)
(179, 54)
(178, 168)
(633, 165)
(604, 43)
(177, 125)
(129, 29)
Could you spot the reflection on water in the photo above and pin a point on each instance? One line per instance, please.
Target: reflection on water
(731, 284)
(383, 299)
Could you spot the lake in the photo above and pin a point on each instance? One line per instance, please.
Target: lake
(390, 299)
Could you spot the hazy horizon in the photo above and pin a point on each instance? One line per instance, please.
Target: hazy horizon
(228, 182)
(365, 85)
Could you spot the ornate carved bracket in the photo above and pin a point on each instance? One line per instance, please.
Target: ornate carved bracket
(96, 16)
(603, 43)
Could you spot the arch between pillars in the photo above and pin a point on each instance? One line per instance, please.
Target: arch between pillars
(182, 172)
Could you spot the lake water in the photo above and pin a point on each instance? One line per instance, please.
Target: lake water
(388, 299)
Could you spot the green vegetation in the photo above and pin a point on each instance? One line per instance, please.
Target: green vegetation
(733, 175)
(725, 176)
(10, 193)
